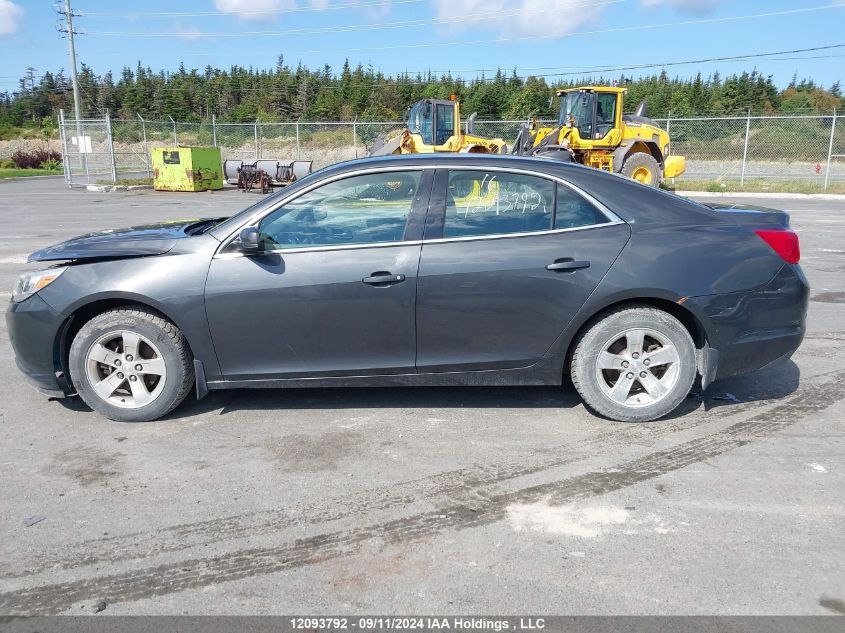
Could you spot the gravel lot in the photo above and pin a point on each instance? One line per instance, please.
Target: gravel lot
(461, 500)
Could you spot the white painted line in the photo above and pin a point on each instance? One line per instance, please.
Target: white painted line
(745, 194)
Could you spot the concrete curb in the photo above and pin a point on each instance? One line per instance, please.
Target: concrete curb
(20, 178)
(746, 194)
(116, 188)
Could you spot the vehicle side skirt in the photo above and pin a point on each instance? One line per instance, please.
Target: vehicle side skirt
(545, 372)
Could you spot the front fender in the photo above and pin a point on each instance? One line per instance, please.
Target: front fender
(174, 285)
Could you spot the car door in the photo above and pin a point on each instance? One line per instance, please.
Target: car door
(331, 290)
(507, 260)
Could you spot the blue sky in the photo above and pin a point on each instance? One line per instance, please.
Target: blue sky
(545, 37)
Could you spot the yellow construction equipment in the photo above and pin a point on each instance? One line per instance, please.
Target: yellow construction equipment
(187, 168)
(593, 131)
(434, 125)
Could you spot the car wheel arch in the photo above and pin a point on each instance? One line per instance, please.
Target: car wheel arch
(80, 314)
(691, 321)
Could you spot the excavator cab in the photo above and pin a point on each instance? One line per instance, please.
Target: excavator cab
(596, 114)
(435, 121)
(434, 125)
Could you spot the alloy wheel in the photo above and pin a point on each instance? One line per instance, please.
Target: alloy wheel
(638, 367)
(125, 369)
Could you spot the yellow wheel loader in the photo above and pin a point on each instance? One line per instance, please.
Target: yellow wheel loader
(593, 131)
(434, 125)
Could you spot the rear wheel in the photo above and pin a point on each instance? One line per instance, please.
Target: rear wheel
(131, 365)
(643, 168)
(635, 364)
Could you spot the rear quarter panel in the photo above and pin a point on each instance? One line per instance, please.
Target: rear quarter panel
(678, 250)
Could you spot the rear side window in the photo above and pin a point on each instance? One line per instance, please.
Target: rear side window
(497, 203)
(574, 210)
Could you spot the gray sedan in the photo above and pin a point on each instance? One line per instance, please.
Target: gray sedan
(419, 270)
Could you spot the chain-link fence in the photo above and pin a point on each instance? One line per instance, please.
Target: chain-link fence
(87, 150)
(717, 149)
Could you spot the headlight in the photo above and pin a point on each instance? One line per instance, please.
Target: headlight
(666, 149)
(31, 283)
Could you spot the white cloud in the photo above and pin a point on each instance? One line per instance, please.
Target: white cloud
(518, 17)
(261, 10)
(10, 17)
(697, 7)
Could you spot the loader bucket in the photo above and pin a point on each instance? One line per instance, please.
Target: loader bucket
(384, 147)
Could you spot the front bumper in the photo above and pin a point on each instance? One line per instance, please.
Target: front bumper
(33, 329)
(751, 330)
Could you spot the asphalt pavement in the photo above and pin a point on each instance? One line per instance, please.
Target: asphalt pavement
(427, 500)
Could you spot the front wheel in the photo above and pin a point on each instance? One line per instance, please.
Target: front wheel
(635, 364)
(131, 365)
(643, 168)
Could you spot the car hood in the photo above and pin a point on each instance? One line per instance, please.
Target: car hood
(133, 241)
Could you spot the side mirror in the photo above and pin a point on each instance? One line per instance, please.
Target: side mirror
(248, 239)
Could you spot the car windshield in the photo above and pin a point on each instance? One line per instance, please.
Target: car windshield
(262, 203)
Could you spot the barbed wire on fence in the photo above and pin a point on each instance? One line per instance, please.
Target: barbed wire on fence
(717, 149)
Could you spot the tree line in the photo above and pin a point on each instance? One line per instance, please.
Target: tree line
(242, 94)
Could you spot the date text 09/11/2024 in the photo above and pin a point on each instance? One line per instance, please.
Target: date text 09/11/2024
(407, 623)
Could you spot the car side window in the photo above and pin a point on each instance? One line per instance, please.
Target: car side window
(357, 210)
(496, 203)
(573, 210)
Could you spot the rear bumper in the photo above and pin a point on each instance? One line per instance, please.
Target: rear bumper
(33, 327)
(752, 330)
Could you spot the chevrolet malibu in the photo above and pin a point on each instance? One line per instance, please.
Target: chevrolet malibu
(419, 270)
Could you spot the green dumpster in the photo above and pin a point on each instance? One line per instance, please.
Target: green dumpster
(187, 168)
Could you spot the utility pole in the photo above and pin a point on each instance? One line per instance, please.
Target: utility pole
(68, 28)
(77, 102)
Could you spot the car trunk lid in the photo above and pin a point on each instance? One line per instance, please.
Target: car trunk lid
(770, 225)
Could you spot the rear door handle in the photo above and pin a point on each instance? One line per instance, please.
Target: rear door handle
(567, 265)
(383, 278)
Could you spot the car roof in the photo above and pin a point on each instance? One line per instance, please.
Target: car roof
(542, 165)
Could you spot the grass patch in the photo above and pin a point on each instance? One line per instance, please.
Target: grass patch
(127, 182)
(757, 186)
(26, 173)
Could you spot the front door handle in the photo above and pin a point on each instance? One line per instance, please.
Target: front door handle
(567, 265)
(383, 278)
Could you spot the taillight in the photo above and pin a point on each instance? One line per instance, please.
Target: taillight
(783, 242)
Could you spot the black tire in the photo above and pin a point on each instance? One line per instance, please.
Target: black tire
(607, 332)
(640, 163)
(170, 347)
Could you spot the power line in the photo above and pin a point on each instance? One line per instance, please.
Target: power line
(347, 28)
(565, 70)
(557, 36)
(655, 65)
(197, 14)
(581, 71)
(706, 60)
